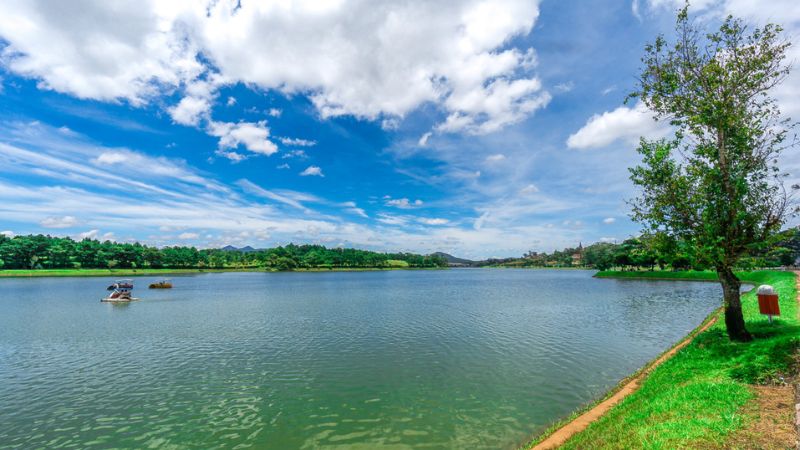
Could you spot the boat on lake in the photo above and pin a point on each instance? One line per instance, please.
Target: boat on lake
(121, 292)
(163, 284)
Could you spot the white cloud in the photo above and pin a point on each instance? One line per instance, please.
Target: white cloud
(253, 136)
(283, 166)
(635, 10)
(111, 158)
(231, 101)
(609, 220)
(478, 224)
(292, 198)
(59, 222)
(384, 60)
(351, 207)
(390, 219)
(404, 203)
(436, 221)
(187, 235)
(8, 233)
(297, 142)
(274, 112)
(312, 171)
(190, 110)
(95, 234)
(233, 156)
(529, 189)
(295, 154)
(623, 123)
(423, 140)
(496, 157)
(565, 87)
(83, 50)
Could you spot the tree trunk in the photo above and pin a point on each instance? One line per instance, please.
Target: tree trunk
(734, 319)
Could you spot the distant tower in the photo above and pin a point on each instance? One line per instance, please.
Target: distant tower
(577, 257)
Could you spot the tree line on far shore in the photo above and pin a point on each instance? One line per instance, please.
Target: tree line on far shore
(46, 252)
(650, 252)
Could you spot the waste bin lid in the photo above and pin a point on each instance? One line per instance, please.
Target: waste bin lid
(766, 289)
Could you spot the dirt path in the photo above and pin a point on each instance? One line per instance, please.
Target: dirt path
(580, 423)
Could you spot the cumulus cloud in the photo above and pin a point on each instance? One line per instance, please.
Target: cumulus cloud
(83, 51)
(609, 220)
(496, 157)
(384, 59)
(8, 233)
(252, 136)
(190, 110)
(312, 171)
(624, 123)
(187, 235)
(529, 189)
(59, 222)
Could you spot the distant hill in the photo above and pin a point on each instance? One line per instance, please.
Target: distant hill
(452, 260)
(230, 248)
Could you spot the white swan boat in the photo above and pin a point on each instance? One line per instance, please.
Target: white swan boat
(121, 291)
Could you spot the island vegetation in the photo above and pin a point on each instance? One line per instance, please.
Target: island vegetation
(32, 254)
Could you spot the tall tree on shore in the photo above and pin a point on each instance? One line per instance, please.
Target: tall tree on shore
(715, 185)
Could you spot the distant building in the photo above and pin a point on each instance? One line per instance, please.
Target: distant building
(577, 257)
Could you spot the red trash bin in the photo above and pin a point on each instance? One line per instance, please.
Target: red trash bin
(768, 301)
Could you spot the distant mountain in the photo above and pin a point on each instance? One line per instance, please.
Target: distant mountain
(230, 248)
(452, 260)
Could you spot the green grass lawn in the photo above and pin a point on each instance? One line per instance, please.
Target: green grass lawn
(697, 398)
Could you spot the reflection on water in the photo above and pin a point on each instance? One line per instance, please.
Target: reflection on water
(437, 359)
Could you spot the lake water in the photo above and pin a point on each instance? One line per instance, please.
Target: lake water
(465, 358)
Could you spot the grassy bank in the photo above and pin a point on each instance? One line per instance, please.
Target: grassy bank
(693, 275)
(704, 393)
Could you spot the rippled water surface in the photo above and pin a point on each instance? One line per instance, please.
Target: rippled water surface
(436, 359)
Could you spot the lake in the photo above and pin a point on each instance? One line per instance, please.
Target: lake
(463, 358)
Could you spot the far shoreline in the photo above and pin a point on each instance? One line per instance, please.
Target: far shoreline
(57, 273)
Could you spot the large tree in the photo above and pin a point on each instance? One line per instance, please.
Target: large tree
(716, 185)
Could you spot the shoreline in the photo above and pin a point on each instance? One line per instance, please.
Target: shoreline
(608, 416)
(56, 273)
(560, 432)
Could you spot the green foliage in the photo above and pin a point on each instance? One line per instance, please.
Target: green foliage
(716, 185)
(45, 252)
(696, 399)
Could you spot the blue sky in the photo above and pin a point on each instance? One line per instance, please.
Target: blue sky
(478, 128)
